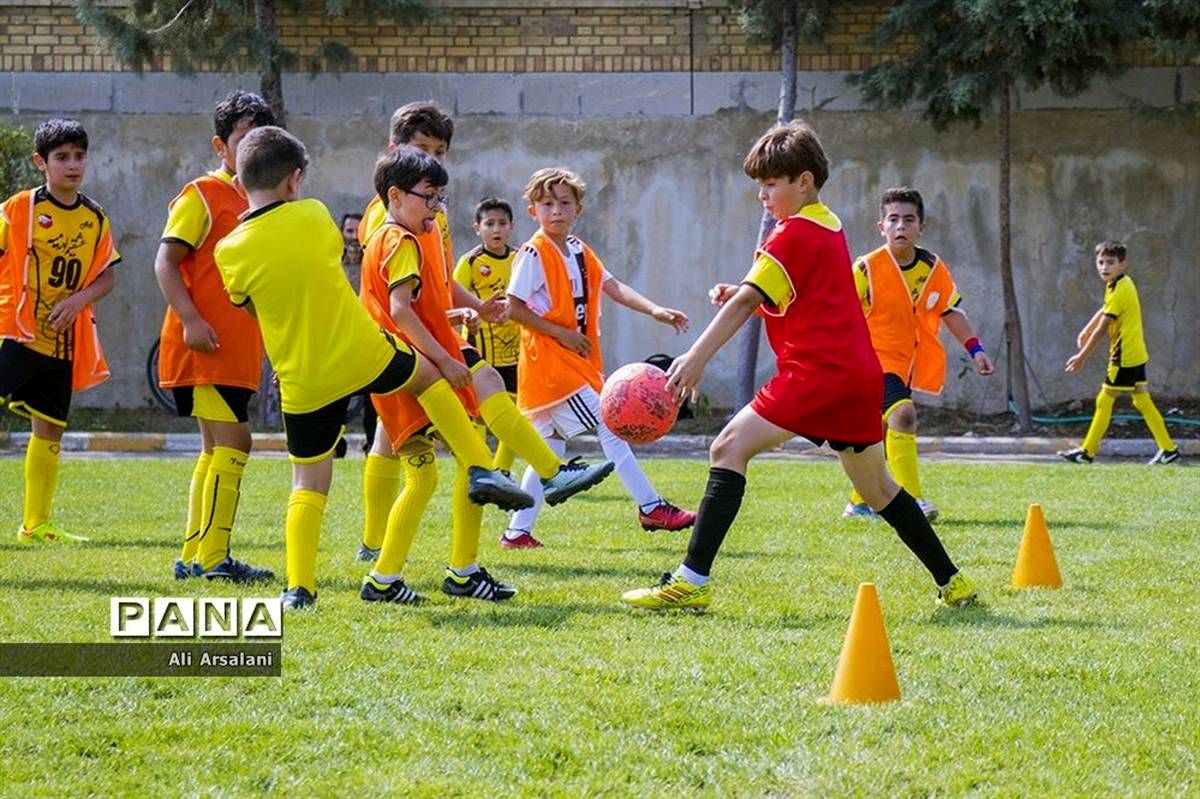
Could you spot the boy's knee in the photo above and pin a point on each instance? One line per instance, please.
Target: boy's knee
(487, 381)
(726, 451)
(902, 417)
(425, 374)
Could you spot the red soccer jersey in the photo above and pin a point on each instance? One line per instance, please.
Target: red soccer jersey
(829, 384)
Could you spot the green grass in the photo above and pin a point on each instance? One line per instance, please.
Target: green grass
(1086, 691)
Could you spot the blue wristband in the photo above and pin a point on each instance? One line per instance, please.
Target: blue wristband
(975, 348)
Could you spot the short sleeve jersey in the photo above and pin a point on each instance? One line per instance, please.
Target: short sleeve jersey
(189, 221)
(814, 322)
(528, 282)
(65, 240)
(915, 275)
(485, 275)
(285, 258)
(1126, 342)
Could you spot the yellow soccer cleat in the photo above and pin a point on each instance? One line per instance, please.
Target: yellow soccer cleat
(958, 592)
(671, 593)
(48, 533)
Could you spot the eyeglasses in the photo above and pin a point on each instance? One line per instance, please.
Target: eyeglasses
(431, 200)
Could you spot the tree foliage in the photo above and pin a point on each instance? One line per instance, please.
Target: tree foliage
(762, 20)
(17, 171)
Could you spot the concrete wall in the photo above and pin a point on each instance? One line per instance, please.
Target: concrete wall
(670, 212)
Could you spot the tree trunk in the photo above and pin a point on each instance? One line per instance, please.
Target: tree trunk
(1012, 315)
(270, 81)
(752, 330)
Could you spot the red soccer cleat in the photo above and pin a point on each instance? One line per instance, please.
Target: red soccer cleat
(523, 541)
(666, 516)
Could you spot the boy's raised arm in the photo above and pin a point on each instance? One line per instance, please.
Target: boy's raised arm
(685, 372)
(630, 297)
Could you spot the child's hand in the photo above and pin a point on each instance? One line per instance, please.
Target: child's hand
(983, 364)
(672, 317)
(470, 318)
(457, 374)
(494, 309)
(63, 314)
(575, 341)
(1075, 362)
(683, 376)
(722, 293)
(198, 335)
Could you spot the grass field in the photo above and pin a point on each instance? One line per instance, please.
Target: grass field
(1087, 691)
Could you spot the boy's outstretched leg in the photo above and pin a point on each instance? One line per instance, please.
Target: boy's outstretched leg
(1096, 430)
(1167, 451)
(868, 472)
(687, 588)
(654, 512)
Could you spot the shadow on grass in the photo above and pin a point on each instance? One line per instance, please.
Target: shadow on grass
(106, 587)
(96, 543)
(568, 572)
(980, 615)
(1015, 523)
(544, 616)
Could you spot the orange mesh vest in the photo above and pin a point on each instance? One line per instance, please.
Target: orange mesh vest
(88, 367)
(238, 361)
(548, 372)
(401, 414)
(904, 333)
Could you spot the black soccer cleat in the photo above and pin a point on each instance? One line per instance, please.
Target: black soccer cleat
(298, 598)
(573, 477)
(479, 585)
(235, 571)
(491, 486)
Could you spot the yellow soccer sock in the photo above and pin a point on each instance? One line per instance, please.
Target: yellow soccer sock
(420, 480)
(506, 456)
(41, 477)
(1100, 420)
(302, 534)
(381, 485)
(191, 536)
(511, 427)
(902, 458)
(1154, 420)
(856, 497)
(222, 489)
(466, 521)
(447, 414)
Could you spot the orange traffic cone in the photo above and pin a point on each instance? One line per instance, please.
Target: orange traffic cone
(865, 672)
(1036, 565)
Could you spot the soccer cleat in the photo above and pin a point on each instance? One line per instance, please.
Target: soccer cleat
(366, 554)
(298, 598)
(665, 516)
(235, 571)
(958, 592)
(573, 477)
(858, 510)
(48, 533)
(671, 593)
(397, 593)
(928, 508)
(1164, 457)
(185, 570)
(523, 541)
(1077, 455)
(491, 486)
(479, 585)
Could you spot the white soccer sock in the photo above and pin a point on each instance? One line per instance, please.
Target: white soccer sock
(692, 577)
(522, 521)
(385, 579)
(628, 469)
(465, 571)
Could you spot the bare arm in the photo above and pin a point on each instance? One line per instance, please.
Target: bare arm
(684, 375)
(632, 298)
(958, 324)
(197, 333)
(569, 338)
(64, 313)
(415, 331)
(494, 309)
(1096, 321)
(1076, 361)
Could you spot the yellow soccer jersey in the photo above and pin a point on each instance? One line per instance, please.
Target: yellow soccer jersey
(286, 259)
(915, 275)
(405, 265)
(189, 220)
(1126, 344)
(375, 214)
(64, 242)
(484, 274)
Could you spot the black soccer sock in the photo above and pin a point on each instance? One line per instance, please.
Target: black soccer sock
(909, 522)
(719, 507)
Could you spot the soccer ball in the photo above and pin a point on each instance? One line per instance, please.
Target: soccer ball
(635, 405)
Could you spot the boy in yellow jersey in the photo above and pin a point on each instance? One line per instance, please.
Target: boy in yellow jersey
(907, 292)
(210, 354)
(407, 291)
(555, 295)
(1127, 357)
(283, 264)
(484, 271)
(428, 128)
(56, 250)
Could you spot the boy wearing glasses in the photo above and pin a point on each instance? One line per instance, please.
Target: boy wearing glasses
(408, 291)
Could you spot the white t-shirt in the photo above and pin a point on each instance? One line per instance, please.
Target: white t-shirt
(528, 281)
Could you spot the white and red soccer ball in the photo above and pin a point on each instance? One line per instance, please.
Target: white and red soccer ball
(635, 405)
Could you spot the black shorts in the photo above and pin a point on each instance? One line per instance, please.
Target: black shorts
(236, 400)
(312, 436)
(32, 384)
(509, 374)
(895, 389)
(838, 446)
(1125, 378)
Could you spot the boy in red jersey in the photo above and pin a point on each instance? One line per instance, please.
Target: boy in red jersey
(829, 383)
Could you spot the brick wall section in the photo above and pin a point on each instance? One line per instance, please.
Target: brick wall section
(492, 38)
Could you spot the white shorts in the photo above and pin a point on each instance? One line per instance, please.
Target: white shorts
(576, 415)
